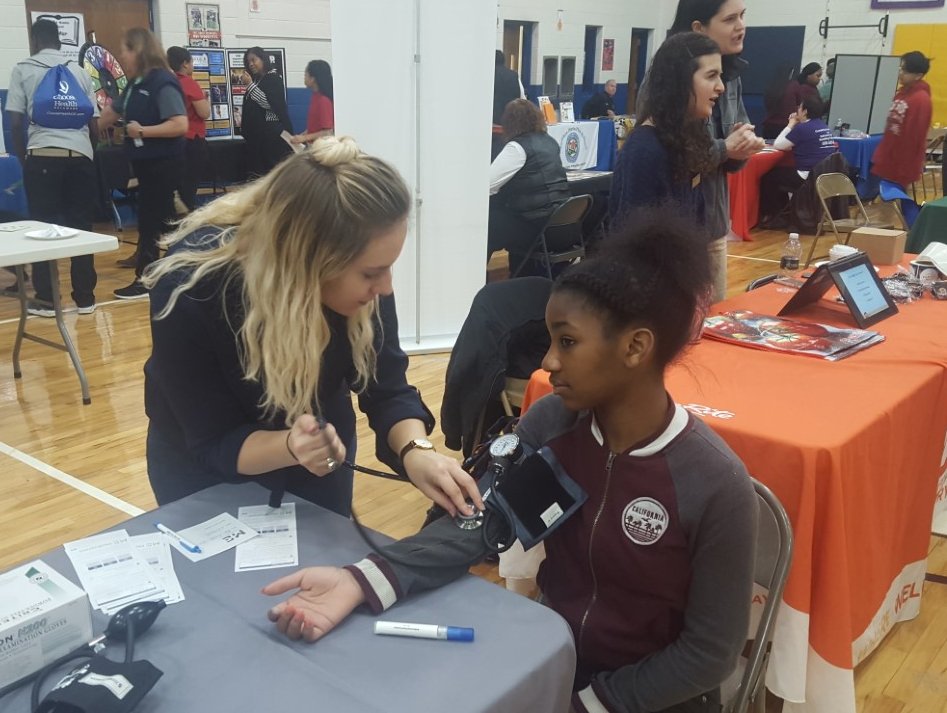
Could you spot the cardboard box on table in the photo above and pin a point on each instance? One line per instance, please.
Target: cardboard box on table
(42, 616)
(883, 247)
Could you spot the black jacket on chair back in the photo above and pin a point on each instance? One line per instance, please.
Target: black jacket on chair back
(805, 209)
(504, 334)
(537, 188)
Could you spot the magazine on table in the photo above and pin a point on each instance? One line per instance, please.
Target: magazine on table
(762, 331)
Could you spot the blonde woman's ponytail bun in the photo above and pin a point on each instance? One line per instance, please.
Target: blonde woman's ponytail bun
(333, 151)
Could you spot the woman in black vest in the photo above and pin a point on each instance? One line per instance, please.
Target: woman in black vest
(527, 182)
(155, 124)
(265, 115)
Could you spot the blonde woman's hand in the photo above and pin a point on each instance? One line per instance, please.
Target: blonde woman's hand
(324, 596)
(317, 448)
(442, 480)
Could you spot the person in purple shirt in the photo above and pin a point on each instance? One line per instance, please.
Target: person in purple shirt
(810, 140)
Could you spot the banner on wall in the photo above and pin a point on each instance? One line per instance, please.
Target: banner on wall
(608, 55)
(904, 4)
(71, 30)
(203, 25)
(240, 80)
(210, 73)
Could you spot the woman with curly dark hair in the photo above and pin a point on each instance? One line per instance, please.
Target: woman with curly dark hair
(527, 182)
(668, 152)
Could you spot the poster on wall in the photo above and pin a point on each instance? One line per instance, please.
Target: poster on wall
(210, 73)
(608, 55)
(904, 4)
(203, 25)
(71, 30)
(240, 80)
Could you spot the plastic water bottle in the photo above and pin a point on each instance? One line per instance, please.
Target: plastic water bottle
(789, 261)
(838, 127)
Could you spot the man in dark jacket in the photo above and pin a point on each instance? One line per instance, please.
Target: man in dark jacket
(602, 104)
(506, 87)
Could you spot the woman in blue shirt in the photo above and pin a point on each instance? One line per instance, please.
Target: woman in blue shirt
(667, 153)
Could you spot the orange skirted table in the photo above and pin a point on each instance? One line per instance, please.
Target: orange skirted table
(745, 189)
(856, 450)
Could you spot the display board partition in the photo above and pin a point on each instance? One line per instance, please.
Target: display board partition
(862, 91)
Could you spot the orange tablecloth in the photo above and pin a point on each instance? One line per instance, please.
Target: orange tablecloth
(856, 452)
(745, 189)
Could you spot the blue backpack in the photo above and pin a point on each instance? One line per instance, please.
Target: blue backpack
(60, 102)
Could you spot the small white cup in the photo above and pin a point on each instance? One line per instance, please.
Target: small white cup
(840, 251)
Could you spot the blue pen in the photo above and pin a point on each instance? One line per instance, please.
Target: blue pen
(189, 546)
(424, 631)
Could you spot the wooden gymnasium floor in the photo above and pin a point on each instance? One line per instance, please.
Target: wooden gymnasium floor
(71, 470)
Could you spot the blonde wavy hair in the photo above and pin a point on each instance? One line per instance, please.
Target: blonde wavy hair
(283, 237)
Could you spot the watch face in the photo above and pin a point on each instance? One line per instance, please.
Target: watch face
(422, 443)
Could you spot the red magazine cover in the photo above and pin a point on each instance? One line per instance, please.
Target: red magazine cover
(762, 331)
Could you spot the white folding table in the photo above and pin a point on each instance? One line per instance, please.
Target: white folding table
(16, 250)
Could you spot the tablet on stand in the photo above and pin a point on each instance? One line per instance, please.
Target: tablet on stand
(856, 280)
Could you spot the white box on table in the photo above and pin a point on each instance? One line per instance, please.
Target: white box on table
(42, 616)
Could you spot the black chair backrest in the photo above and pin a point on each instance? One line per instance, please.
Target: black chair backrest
(760, 281)
(570, 212)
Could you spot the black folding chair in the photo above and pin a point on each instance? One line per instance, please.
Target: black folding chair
(561, 238)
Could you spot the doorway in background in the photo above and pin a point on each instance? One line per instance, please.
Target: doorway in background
(518, 49)
(637, 65)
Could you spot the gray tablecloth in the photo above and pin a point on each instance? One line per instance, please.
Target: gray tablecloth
(219, 652)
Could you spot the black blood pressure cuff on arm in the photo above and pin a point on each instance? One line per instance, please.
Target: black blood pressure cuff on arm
(538, 495)
(101, 686)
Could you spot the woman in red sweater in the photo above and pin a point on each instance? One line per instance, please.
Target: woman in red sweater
(900, 156)
(320, 121)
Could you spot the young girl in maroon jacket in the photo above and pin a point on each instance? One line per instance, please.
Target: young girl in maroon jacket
(653, 573)
(900, 156)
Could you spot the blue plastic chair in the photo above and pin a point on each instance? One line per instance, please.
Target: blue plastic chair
(908, 210)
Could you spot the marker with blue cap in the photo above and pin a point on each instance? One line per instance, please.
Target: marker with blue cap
(424, 631)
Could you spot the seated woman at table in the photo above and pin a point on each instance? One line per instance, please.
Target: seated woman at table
(273, 305)
(784, 97)
(655, 579)
(669, 150)
(320, 121)
(527, 182)
(810, 140)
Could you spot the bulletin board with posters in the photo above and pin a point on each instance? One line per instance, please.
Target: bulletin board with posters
(210, 73)
(203, 25)
(240, 80)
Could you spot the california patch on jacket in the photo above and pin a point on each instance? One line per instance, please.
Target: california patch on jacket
(644, 521)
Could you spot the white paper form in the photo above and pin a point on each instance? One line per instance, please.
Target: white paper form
(111, 571)
(213, 536)
(276, 546)
(156, 551)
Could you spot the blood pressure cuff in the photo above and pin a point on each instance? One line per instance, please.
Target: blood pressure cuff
(101, 686)
(538, 495)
